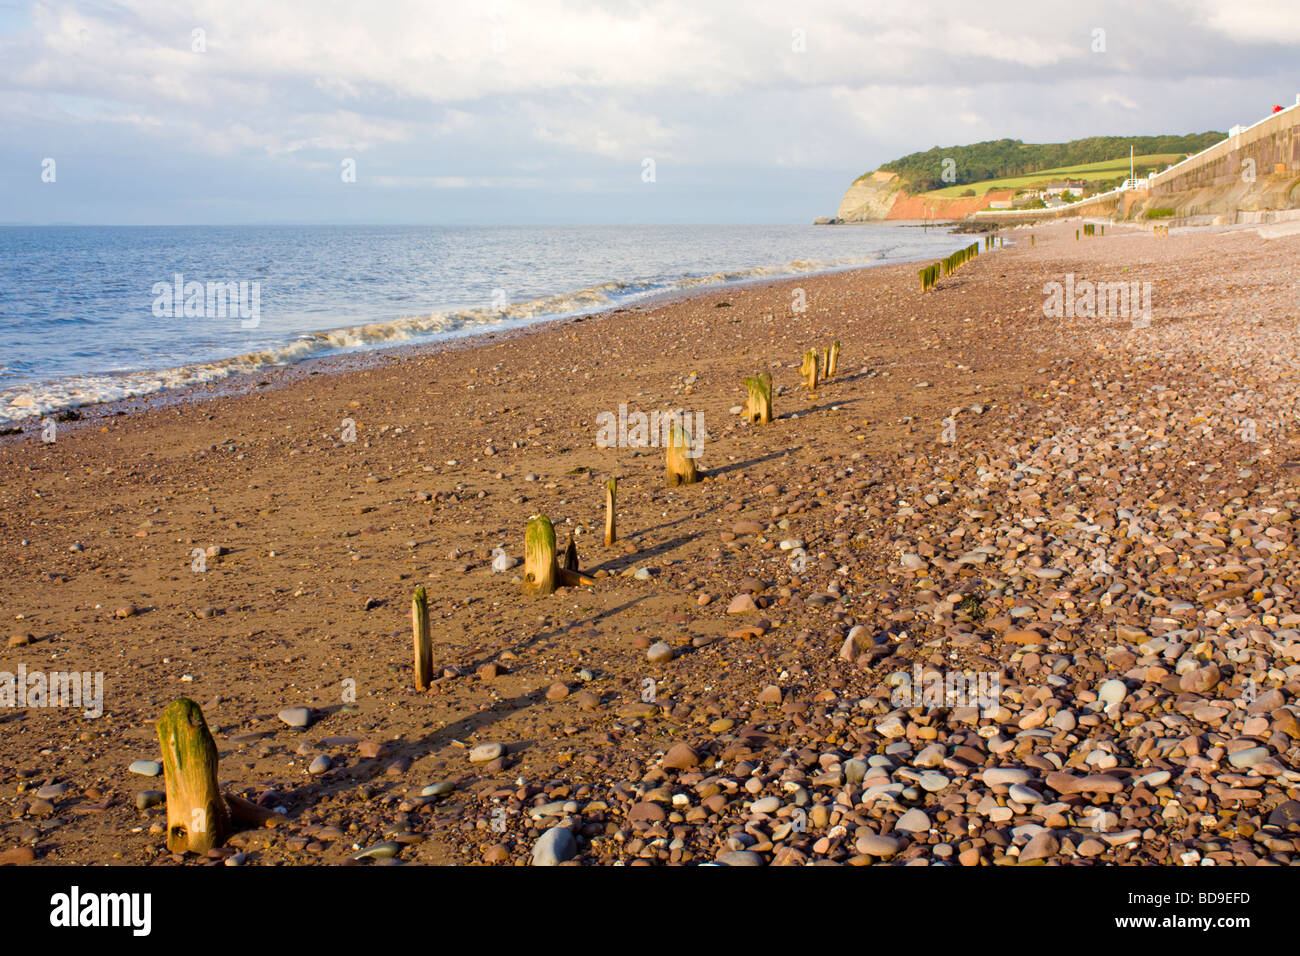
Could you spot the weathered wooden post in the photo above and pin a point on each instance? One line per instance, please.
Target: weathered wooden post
(834, 364)
(543, 570)
(611, 489)
(679, 465)
(422, 638)
(539, 556)
(758, 407)
(197, 819)
(809, 368)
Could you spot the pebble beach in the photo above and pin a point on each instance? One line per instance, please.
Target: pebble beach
(1093, 519)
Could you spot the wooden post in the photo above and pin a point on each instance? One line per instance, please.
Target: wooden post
(570, 560)
(422, 639)
(758, 407)
(197, 819)
(680, 467)
(540, 568)
(834, 363)
(809, 368)
(611, 489)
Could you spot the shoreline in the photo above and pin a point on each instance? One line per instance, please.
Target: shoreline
(241, 383)
(1076, 447)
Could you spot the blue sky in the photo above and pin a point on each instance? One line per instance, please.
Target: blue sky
(546, 111)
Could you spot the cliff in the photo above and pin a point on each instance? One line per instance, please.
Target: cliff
(880, 195)
(870, 197)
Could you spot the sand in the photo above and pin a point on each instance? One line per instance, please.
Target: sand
(311, 547)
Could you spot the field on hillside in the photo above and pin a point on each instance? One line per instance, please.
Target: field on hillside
(1106, 169)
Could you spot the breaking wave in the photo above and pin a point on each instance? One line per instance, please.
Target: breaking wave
(42, 398)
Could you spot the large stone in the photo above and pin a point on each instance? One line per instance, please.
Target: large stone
(741, 604)
(913, 821)
(878, 845)
(681, 757)
(554, 847)
(659, 653)
(739, 858)
(1042, 846)
(486, 753)
(296, 716)
(1201, 680)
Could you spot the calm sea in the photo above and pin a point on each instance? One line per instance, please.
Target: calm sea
(90, 314)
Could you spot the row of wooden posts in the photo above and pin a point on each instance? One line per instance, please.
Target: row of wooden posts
(200, 816)
(947, 266)
(544, 570)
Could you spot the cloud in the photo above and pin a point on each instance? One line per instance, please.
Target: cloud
(547, 95)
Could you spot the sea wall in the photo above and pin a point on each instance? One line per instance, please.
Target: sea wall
(1270, 147)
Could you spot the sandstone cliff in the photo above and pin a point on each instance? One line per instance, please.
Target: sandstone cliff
(880, 195)
(870, 197)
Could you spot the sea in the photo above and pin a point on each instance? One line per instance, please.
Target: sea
(90, 314)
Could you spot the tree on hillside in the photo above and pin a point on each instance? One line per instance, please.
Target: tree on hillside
(996, 159)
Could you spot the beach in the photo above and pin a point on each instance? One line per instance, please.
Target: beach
(1096, 512)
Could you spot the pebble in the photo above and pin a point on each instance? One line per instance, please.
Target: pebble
(1005, 776)
(296, 716)
(681, 757)
(766, 805)
(878, 845)
(146, 768)
(486, 753)
(1112, 692)
(554, 847)
(1244, 759)
(739, 858)
(1024, 795)
(1042, 846)
(741, 604)
(933, 782)
(659, 653)
(380, 851)
(913, 821)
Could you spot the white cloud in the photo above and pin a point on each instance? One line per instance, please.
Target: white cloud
(452, 95)
(1253, 21)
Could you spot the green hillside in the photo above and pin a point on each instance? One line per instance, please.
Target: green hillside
(1004, 159)
(1108, 172)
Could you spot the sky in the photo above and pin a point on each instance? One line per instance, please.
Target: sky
(147, 112)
